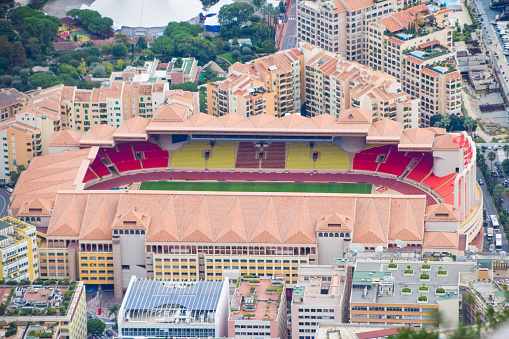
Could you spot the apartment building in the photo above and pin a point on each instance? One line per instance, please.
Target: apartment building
(408, 293)
(482, 294)
(61, 311)
(239, 94)
(320, 297)
(415, 46)
(339, 25)
(11, 101)
(324, 81)
(112, 103)
(258, 308)
(333, 84)
(19, 144)
(174, 308)
(18, 250)
(182, 70)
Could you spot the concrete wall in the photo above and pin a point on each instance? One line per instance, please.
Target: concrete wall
(133, 255)
(446, 162)
(56, 150)
(442, 226)
(223, 311)
(329, 249)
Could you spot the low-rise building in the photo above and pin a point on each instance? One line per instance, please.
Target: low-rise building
(354, 331)
(59, 310)
(182, 70)
(171, 308)
(258, 308)
(320, 297)
(407, 293)
(11, 101)
(484, 294)
(18, 250)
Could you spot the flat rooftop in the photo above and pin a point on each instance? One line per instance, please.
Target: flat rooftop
(256, 301)
(367, 273)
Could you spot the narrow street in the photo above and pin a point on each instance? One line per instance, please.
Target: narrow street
(290, 38)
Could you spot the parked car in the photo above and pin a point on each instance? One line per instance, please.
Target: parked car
(10, 190)
(481, 182)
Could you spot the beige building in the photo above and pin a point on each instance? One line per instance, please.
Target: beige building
(333, 84)
(62, 307)
(408, 293)
(11, 101)
(320, 297)
(339, 25)
(258, 308)
(415, 46)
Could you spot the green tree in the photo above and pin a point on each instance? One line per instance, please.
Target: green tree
(119, 50)
(73, 13)
(491, 157)
(5, 47)
(95, 326)
(162, 45)
(37, 4)
(18, 55)
(7, 31)
(470, 124)
(43, 80)
(498, 190)
(235, 15)
(202, 49)
(142, 43)
(506, 150)
(106, 49)
(113, 309)
(100, 71)
(14, 175)
(235, 55)
(269, 46)
(188, 86)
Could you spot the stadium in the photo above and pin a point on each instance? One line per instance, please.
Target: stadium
(205, 191)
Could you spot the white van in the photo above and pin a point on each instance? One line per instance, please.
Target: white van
(10, 190)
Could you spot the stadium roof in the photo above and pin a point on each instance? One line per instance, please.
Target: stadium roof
(233, 217)
(150, 294)
(147, 13)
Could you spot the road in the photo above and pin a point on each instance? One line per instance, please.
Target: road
(58, 8)
(489, 206)
(4, 202)
(109, 323)
(290, 38)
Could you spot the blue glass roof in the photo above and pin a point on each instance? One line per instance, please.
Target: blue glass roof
(200, 296)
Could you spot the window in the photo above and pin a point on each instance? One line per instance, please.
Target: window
(125, 267)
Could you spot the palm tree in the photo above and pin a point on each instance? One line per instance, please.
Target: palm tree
(498, 190)
(113, 309)
(506, 150)
(491, 157)
(469, 123)
(506, 193)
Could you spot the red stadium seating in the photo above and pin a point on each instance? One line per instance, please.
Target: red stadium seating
(276, 153)
(247, 156)
(104, 151)
(126, 146)
(449, 199)
(397, 162)
(143, 146)
(446, 188)
(366, 160)
(155, 163)
(121, 156)
(422, 169)
(99, 168)
(89, 175)
(129, 165)
(156, 154)
(433, 181)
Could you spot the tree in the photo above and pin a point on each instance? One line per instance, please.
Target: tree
(188, 86)
(142, 43)
(505, 166)
(119, 50)
(100, 71)
(506, 150)
(5, 47)
(246, 50)
(235, 15)
(73, 13)
(37, 4)
(43, 80)
(269, 46)
(93, 21)
(202, 49)
(470, 124)
(491, 157)
(162, 45)
(113, 309)
(106, 49)
(498, 190)
(7, 31)
(235, 55)
(14, 175)
(18, 55)
(95, 326)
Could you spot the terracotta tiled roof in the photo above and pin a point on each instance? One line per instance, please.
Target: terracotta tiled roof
(291, 218)
(385, 128)
(445, 142)
(391, 24)
(414, 60)
(39, 207)
(65, 138)
(441, 240)
(442, 212)
(429, 43)
(453, 75)
(355, 5)
(428, 72)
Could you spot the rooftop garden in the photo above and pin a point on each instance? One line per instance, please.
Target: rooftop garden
(424, 276)
(423, 288)
(427, 53)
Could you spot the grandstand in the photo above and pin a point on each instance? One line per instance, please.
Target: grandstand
(331, 157)
(222, 155)
(299, 156)
(247, 155)
(190, 156)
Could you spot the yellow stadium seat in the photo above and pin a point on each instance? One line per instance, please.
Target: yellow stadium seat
(223, 155)
(299, 156)
(331, 157)
(190, 155)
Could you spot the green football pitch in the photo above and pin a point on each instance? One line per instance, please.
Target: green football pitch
(254, 187)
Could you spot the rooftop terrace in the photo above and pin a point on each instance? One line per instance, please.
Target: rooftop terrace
(257, 299)
(404, 282)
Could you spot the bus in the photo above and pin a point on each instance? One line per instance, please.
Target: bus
(498, 241)
(494, 221)
(490, 233)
